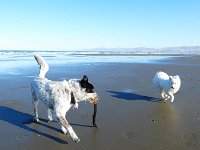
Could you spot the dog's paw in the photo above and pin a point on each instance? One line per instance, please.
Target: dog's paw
(76, 139)
(75, 105)
(166, 98)
(36, 120)
(50, 120)
(96, 126)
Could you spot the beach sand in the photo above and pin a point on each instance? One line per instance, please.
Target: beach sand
(131, 114)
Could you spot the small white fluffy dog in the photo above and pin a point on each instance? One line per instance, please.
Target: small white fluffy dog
(60, 96)
(167, 85)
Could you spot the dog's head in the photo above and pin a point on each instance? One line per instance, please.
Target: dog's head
(175, 82)
(91, 95)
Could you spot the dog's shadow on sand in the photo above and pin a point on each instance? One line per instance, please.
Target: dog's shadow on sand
(133, 97)
(23, 120)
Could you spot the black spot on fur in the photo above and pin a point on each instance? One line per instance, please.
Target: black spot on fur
(89, 88)
(72, 98)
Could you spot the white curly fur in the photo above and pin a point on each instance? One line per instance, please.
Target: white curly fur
(56, 95)
(167, 85)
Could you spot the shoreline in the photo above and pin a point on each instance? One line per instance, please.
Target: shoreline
(95, 53)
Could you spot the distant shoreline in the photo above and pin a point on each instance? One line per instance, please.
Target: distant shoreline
(138, 51)
(135, 54)
(93, 53)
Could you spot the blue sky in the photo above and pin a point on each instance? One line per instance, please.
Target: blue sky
(85, 24)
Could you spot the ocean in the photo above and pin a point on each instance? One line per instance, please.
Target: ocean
(13, 61)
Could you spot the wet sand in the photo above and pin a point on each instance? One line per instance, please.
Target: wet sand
(131, 114)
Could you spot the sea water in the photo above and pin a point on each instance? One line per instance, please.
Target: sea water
(12, 61)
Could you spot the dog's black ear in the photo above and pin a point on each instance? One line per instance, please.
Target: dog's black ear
(84, 81)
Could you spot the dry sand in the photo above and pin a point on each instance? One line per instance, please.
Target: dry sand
(131, 114)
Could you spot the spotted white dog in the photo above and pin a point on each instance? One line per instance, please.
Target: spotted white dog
(60, 96)
(167, 85)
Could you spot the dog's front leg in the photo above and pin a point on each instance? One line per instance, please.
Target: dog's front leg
(67, 126)
(36, 119)
(64, 130)
(172, 97)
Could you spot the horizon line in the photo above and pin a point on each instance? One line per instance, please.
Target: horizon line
(99, 48)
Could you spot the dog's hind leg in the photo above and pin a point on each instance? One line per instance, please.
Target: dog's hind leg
(163, 95)
(67, 127)
(35, 103)
(166, 97)
(50, 117)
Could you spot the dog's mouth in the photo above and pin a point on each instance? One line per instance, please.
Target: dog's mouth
(93, 101)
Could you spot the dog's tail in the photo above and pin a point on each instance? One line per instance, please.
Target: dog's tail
(44, 67)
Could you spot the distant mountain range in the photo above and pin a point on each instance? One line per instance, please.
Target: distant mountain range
(144, 50)
(96, 51)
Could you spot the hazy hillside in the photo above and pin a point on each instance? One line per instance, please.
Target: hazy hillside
(166, 50)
